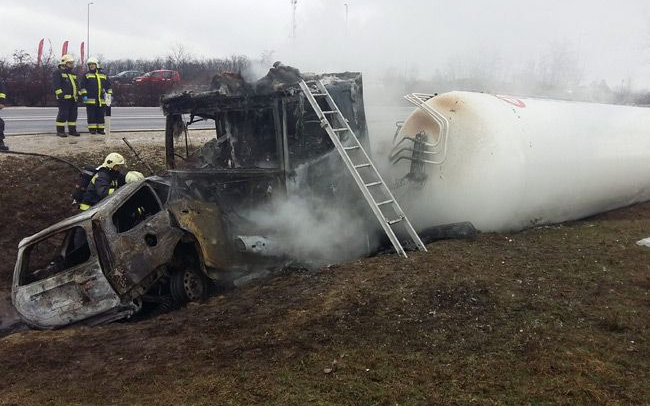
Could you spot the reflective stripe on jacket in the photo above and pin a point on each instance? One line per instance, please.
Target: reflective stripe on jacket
(94, 84)
(65, 84)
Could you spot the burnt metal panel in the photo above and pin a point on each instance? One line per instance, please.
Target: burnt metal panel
(72, 296)
(205, 222)
(141, 250)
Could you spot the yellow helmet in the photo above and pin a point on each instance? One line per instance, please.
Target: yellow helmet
(133, 176)
(94, 60)
(66, 58)
(113, 159)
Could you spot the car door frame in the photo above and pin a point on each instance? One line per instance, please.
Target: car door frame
(134, 256)
(72, 295)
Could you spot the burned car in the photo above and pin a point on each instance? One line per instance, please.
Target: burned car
(98, 265)
(159, 242)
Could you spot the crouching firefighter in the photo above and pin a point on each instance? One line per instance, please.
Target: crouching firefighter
(107, 179)
(67, 93)
(94, 86)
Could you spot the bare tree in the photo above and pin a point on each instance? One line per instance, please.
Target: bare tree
(21, 57)
(178, 55)
(560, 69)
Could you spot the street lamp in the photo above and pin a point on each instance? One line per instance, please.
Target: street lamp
(293, 19)
(88, 31)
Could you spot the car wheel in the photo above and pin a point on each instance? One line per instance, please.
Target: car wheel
(188, 285)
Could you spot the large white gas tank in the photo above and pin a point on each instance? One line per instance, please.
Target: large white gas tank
(505, 163)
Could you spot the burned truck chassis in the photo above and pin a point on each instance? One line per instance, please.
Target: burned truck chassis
(268, 145)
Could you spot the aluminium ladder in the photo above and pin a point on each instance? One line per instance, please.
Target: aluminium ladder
(359, 165)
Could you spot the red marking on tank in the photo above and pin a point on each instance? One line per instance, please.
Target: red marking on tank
(512, 100)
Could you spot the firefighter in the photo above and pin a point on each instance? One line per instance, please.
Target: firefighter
(3, 97)
(107, 179)
(94, 86)
(133, 176)
(67, 93)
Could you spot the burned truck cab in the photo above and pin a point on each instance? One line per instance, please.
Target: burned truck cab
(266, 145)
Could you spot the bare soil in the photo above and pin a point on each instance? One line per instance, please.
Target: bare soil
(556, 315)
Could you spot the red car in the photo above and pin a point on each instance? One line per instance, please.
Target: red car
(163, 76)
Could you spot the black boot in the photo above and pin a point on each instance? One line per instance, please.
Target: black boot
(3, 147)
(60, 131)
(101, 131)
(72, 130)
(92, 131)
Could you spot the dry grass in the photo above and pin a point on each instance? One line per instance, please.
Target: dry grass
(551, 316)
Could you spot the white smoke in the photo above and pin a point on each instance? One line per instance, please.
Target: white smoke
(255, 71)
(312, 231)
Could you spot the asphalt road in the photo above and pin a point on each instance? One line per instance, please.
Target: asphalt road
(30, 120)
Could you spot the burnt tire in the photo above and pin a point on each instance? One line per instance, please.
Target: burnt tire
(188, 285)
(165, 305)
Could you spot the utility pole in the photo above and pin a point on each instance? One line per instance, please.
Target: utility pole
(293, 19)
(346, 17)
(88, 32)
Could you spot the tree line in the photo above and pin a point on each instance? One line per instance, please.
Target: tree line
(559, 74)
(29, 84)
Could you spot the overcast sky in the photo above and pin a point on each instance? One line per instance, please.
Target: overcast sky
(611, 39)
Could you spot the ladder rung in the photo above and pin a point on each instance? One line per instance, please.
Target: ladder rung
(338, 130)
(361, 166)
(391, 222)
(373, 183)
(385, 202)
(319, 94)
(330, 111)
(349, 148)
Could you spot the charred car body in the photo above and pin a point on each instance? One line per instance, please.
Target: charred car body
(160, 240)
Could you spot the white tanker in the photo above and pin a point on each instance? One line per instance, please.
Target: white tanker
(504, 163)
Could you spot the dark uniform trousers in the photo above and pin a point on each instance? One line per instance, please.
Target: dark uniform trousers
(3, 97)
(95, 117)
(67, 115)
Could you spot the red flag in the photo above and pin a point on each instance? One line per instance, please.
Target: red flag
(40, 52)
(82, 52)
(64, 50)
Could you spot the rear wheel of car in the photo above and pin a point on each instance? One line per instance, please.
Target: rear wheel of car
(188, 285)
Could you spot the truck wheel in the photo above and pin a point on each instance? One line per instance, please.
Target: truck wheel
(188, 285)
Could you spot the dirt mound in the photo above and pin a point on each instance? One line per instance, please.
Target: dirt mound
(35, 193)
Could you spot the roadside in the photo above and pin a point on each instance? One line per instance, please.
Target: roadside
(91, 144)
(555, 315)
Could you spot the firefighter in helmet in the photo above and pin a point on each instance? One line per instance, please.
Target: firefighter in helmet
(66, 91)
(95, 86)
(3, 97)
(108, 178)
